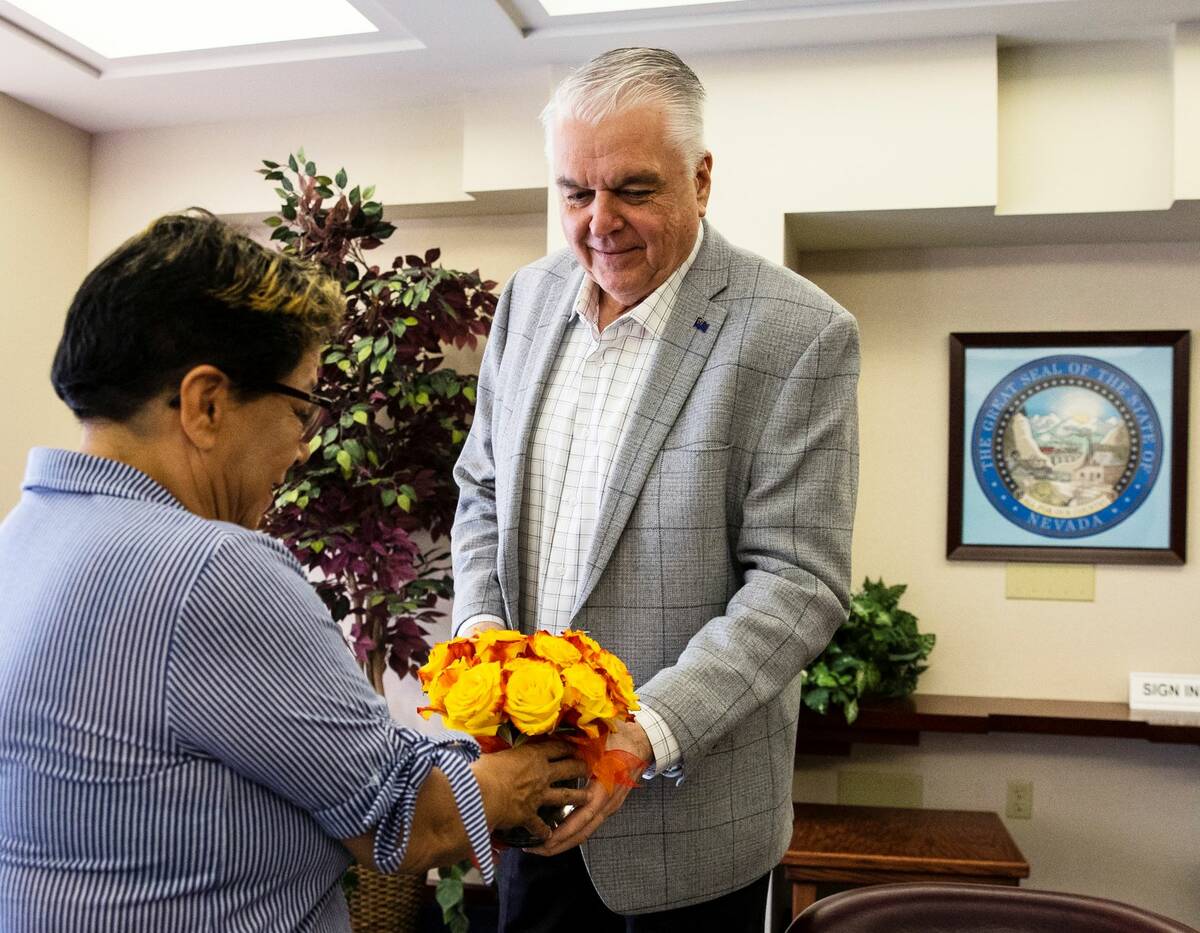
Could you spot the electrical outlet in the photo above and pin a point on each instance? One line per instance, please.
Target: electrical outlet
(1020, 800)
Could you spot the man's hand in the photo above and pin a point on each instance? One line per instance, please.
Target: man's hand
(601, 804)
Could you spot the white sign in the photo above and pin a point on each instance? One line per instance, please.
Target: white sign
(1164, 691)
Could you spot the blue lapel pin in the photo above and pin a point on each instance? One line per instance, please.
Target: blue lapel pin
(701, 325)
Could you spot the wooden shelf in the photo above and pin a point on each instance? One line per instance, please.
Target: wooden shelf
(900, 722)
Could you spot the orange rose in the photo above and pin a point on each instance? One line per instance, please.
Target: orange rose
(498, 644)
(473, 703)
(586, 692)
(442, 655)
(533, 695)
(555, 649)
(587, 646)
(619, 679)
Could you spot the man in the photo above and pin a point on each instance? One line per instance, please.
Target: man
(664, 454)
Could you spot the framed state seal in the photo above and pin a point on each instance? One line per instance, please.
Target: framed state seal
(1068, 447)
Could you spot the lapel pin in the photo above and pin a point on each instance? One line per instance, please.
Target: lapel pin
(701, 325)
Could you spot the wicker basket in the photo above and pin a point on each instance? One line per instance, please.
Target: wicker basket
(386, 903)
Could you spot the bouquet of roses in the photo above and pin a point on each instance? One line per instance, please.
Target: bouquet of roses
(504, 688)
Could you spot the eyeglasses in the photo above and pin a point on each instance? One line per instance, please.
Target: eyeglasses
(320, 404)
(312, 422)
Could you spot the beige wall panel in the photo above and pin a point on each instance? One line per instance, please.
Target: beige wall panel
(502, 141)
(1086, 127)
(1112, 818)
(411, 157)
(1187, 111)
(43, 257)
(907, 302)
(867, 127)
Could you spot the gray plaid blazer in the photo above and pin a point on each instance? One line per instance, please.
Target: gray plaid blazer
(721, 560)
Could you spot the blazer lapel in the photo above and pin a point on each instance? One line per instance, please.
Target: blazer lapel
(681, 353)
(545, 340)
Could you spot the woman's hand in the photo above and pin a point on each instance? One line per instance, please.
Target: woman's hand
(517, 781)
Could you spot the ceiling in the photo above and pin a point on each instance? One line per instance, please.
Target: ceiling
(431, 50)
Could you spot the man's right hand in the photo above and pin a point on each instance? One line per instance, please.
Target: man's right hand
(517, 781)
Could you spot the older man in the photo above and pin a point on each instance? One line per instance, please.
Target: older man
(664, 453)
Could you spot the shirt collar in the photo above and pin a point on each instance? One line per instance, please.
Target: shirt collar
(73, 472)
(652, 311)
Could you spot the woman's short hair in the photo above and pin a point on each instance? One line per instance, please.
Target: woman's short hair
(188, 290)
(623, 79)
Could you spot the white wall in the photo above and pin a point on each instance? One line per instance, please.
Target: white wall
(43, 257)
(907, 302)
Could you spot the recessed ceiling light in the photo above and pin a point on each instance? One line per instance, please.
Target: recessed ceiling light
(124, 28)
(578, 7)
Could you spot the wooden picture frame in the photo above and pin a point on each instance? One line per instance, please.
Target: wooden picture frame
(1069, 447)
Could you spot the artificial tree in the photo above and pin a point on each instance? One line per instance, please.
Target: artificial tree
(369, 511)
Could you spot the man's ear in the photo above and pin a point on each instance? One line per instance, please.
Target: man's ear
(703, 182)
(205, 394)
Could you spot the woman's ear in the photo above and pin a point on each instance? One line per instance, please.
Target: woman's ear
(205, 394)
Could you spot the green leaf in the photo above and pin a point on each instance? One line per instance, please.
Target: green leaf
(300, 154)
(310, 168)
(411, 321)
(343, 460)
(355, 195)
(317, 546)
(340, 178)
(364, 352)
(381, 344)
(368, 193)
(388, 498)
(273, 221)
(469, 393)
(269, 164)
(449, 893)
(293, 164)
(404, 502)
(314, 444)
(360, 417)
(287, 185)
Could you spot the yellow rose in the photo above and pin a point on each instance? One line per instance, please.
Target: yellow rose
(533, 695)
(619, 679)
(586, 692)
(473, 704)
(498, 644)
(556, 649)
(440, 685)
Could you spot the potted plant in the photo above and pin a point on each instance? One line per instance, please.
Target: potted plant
(878, 651)
(369, 513)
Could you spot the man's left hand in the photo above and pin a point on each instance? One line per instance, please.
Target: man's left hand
(601, 803)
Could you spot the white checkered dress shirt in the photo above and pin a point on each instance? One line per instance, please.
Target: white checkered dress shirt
(593, 387)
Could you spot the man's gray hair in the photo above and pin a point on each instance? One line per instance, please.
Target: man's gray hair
(619, 81)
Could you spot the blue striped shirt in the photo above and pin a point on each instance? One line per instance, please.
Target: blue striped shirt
(184, 735)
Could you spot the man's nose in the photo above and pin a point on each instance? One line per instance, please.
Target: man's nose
(606, 215)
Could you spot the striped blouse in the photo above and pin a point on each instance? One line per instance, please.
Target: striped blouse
(184, 736)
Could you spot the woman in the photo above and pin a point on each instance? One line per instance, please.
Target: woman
(185, 742)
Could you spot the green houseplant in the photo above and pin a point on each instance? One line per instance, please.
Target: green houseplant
(878, 651)
(369, 513)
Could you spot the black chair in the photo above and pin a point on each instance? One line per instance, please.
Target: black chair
(974, 908)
